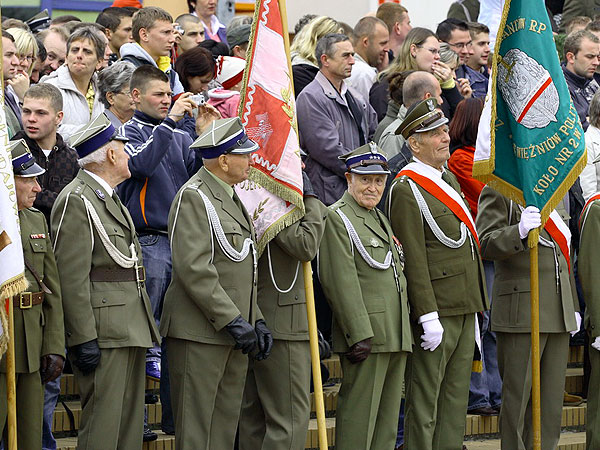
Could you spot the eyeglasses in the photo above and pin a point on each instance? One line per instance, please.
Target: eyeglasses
(128, 94)
(433, 51)
(28, 58)
(461, 45)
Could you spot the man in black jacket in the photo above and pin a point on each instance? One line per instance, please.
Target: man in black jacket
(582, 49)
(42, 113)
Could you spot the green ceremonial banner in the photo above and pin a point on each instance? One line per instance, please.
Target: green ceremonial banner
(530, 146)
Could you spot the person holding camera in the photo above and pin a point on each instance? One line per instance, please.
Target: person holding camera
(160, 163)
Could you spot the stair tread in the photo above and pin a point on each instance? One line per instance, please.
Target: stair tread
(568, 441)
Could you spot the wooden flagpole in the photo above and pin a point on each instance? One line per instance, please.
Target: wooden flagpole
(11, 391)
(535, 343)
(314, 355)
(308, 285)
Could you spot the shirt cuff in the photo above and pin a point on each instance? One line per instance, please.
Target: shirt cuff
(429, 316)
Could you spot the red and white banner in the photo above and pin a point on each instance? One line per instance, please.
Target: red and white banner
(273, 193)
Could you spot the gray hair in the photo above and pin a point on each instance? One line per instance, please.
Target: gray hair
(92, 34)
(416, 86)
(448, 56)
(114, 79)
(594, 110)
(96, 157)
(325, 45)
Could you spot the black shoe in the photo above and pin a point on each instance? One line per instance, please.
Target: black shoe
(483, 411)
(168, 431)
(150, 399)
(149, 435)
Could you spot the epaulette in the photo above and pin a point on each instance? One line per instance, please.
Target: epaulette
(337, 205)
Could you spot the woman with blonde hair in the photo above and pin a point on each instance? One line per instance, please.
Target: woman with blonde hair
(420, 51)
(27, 50)
(304, 62)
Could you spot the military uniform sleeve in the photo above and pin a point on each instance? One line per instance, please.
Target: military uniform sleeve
(54, 328)
(191, 254)
(338, 275)
(588, 269)
(498, 238)
(301, 239)
(73, 251)
(407, 224)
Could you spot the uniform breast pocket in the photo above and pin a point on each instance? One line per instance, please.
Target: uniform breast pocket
(447, 222)
(233, 232)
(511, 303)
(449, 284)
(290, 316)
(110, 314)
(39, 247)
(116, 236)
(375, 247)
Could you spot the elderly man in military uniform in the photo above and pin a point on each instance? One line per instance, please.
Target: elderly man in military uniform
(276, 403)
(589, 275)
(360, 268)
(108, 318)
(446, 285)
(210, 311)
(38, 313)
(504, 227)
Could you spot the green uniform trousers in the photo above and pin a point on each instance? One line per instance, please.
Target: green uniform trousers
(276, 404)
(437, 387)
(514, 364)
(207, 384)
(592, 426)
(112, 401)
(30, 406)
(369, 402)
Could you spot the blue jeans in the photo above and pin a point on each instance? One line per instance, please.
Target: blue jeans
(51, 393)
(486, 387)
(157, 261)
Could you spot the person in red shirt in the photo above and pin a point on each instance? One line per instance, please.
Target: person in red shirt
(463, 135)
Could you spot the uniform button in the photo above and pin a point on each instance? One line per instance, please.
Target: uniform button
(69, 334)
(515, 288)
(444, 273)
(212, 320)
(516, 247)
(103, 300)
(347, 335)
(593, 326)
(560, 271)
(296, 297)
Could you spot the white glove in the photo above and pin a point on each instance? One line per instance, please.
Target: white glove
(433, 334)
(578, 322)
(530, 219)
(596, 343)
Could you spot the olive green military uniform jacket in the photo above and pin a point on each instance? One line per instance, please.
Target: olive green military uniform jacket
(39, 330)
(208, 290)
(447, 280)
(281, 263)
(118, 314)
(589, 267)
(365, 301)
(498, 226)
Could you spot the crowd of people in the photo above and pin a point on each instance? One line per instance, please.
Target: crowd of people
(126, 146)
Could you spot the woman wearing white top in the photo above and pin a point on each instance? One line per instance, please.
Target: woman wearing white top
(590, 177)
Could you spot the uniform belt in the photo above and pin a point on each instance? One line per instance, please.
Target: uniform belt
(26, 300)
(117, 275)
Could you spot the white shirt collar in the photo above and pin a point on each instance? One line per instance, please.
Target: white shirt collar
(101, 181)
(431, 169)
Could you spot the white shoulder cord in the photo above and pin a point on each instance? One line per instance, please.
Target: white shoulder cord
(438, 233)
(60, 223)
(216, 227)
(273, 275)
(124, 261)
(355, 239)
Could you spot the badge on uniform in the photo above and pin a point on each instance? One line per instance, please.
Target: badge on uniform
(400, 251)
(37, 236)
(374, 242)
(100, 194)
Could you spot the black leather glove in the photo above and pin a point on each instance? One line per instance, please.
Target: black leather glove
(51, 367)
(243, 334)
(359, 351)
(87, 356)
(265, 340)
(307, 188)
(324, 347)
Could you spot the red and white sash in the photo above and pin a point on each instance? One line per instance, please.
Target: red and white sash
(560, 233)
(425, 177)
(588, 203)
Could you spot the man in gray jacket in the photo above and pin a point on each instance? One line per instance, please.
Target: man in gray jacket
(333, 119)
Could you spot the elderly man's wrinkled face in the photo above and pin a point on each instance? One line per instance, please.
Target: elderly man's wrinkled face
(366, 189)
(431, 147)
(27, 189)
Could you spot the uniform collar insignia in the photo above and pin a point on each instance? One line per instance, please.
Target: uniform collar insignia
(100, 194)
